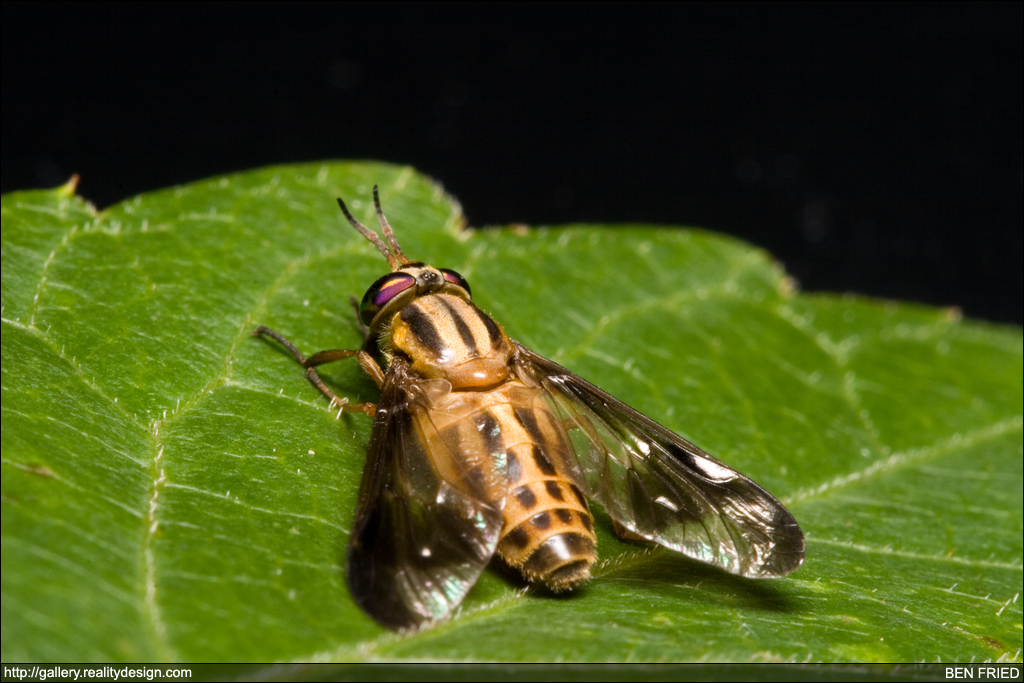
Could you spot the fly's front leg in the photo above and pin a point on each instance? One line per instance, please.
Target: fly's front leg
(319, 358)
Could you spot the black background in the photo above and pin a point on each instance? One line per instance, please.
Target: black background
(874, 148)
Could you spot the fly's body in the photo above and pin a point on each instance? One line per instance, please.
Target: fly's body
(481, 447)
(511, 445)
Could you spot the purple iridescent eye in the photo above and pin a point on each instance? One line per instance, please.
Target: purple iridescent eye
(456, 279)
(381, 292)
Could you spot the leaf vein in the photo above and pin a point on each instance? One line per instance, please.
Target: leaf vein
(909, 457)
(918, 556)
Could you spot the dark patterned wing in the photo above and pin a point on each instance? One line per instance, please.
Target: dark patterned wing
(663, 488)
(421, 536)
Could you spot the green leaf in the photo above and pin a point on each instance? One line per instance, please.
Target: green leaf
(174, 489)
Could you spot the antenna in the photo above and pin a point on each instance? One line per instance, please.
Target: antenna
(371, 235)
(388, 233)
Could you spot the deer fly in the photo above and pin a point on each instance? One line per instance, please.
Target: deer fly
(481, 446)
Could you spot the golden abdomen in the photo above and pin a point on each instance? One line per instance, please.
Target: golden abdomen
(549, 532)
(508, 437)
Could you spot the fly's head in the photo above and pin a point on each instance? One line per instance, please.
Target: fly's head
(407, 280)
(397, 289)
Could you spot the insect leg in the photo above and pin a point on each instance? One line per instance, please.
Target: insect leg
(321, 357)
(359, 320)
(365, 361)
(625, 534)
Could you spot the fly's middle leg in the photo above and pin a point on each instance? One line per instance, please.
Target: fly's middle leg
(359, 319)
(319, 358)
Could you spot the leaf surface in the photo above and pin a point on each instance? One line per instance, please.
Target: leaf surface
(174, 489)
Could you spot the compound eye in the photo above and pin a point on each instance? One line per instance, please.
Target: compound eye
(381, 292)
(456, 279)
